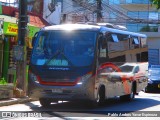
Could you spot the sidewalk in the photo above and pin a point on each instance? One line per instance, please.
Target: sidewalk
(11, 101)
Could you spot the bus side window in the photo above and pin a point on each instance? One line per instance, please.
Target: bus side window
(34, 39)
(103, 46)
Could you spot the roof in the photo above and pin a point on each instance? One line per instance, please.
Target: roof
(10, 19)
(91, 27)
(34, 19)
(37, 21)
(113, 30)
(72, 27)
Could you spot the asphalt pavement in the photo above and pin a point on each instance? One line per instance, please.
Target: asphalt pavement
(11, 101)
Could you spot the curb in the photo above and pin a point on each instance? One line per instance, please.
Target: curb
(12, 101)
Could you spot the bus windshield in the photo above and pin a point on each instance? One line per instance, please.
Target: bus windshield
(64, 48)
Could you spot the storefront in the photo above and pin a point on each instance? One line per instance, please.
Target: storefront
(10, 32)
(1, 47)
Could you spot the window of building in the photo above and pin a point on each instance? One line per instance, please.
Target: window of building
(142, 27)
(91, 1)
(143, 15)
(153, 15)
(113, 16)
(138, 1)
(132, 27)
(128, 1)
(132, 14)
(114, 1)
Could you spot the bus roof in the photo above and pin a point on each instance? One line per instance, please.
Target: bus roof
(70, 27)
(112, 30)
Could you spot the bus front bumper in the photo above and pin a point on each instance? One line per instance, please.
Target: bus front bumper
(60, 93)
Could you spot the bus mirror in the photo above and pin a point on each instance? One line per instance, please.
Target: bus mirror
(33, 41)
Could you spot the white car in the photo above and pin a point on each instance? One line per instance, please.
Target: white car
(129, 72)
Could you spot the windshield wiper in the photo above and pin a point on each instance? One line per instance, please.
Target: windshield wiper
(55, 55)
(59, 52)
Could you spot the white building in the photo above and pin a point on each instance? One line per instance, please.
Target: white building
(134, 14)
(52, 17)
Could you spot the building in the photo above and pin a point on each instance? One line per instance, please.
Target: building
(79, 11)
(52, 11)
(9, 37)
(136, 15)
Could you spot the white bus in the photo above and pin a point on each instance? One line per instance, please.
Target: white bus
(80, 62)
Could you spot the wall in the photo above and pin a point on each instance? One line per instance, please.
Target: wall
(1, 56)
(154, 50)
(55, 17)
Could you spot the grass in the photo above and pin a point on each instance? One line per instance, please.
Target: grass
(3, 81)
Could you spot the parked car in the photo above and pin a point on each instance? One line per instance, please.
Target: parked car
(153, 80)
(129, 72)
(155, 66)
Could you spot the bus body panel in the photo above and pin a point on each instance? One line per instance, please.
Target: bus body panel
(79, 91)
(85, 83)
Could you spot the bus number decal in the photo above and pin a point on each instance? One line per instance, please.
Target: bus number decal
(58, 62)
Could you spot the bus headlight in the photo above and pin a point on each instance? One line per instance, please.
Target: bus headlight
(84, 78)
(150, 81)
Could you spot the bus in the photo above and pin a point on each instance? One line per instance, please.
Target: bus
(84, 62)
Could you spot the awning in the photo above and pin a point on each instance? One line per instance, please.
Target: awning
(34, 19)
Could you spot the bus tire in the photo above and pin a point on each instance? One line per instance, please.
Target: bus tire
(130, 96)
(45, 102)
(101, 96)
(146, 90)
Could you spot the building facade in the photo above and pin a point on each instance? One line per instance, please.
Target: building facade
(52, 11)
(9, 38)
(144, 18)
(136, 15)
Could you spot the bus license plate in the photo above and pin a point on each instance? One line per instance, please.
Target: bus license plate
(158, 85)
(57, 91)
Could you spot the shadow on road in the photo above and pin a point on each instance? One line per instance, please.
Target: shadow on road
(112, 105)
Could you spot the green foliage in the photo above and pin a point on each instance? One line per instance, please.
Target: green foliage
(3, 81)
(156, 3)
(149, 29)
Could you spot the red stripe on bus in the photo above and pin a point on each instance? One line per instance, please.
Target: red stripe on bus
(58, 83)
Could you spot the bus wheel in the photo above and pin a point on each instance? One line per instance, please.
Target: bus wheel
(146, 90)
(130, 96)
(101, 96)
(45, 102)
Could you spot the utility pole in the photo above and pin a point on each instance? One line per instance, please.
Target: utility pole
(99, 8)
(21, 48)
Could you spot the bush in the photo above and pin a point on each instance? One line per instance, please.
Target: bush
(3, 81)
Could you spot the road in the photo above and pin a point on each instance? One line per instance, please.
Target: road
(144, 102)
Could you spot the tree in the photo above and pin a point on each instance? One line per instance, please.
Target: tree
(156, 2)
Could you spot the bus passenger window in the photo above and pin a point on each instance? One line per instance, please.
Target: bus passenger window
(40, 43)
(135, 41)
(108, 70)
(115, 38)
(42, 39)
